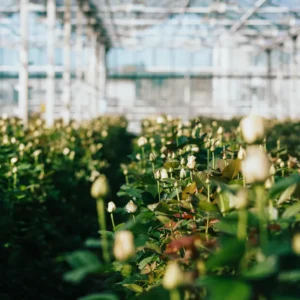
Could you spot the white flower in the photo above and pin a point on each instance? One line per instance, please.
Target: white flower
(182, 174)
(153, 206)
(220, 130)
(173, 277)
(131, 207)
(241, 153)
(191, 162)
(241, 198)
(13, 160)
(256, 166)
(160, 120)
(253, 129)
(36, 153)
(164, 174)
(273, 213)
(124, 245)
(111, 207)
(66, 151)
(100, 187)
(157, 175)
(142, 141)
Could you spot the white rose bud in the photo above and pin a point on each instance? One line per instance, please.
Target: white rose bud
(164, 174)
(13, 160)
(173, 277)
(241, 153)
(151, 157)
(182, 174)
(111, 207)
(157, 175)
(253, 129)
(296, 243)
(241, 199)
(131, 207)
(220, 130)
(191, 162)
(182, 161)
(100, 187)
(124, 245)
(142, 141)
(153, 206)
(256, 166)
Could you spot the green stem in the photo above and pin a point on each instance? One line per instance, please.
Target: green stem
(242, 225)
(126, 178)
(207, 223)
(153, 169)
(113, 221)
(222, 204)
(174, 294)
(260, 205)
(207, 157)
(133, 217)
(213, 160)
(15, 180)
(244, 178)
(102, 224)
(158, 190)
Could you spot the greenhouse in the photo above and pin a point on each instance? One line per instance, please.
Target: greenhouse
(150, 149)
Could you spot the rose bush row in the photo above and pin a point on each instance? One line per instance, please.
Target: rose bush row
(46, 207)
(211, 213)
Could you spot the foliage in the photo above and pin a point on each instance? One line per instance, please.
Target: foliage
(46, 207)
(230, 239)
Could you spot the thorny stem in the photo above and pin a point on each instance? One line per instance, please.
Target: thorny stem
(260, 205)
(102, 224)
(174, 295)
(113, 221)
(158, 190)
(242, 225)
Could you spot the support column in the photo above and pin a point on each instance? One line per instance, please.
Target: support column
(23, 71)
(281, 91)
(79, 61)
(187, 86)
(93, 74)
(67, 63)
(269, 93)
(50, 92)
(294, 108)
(102, 77)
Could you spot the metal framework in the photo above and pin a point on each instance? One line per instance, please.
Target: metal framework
(91, 27)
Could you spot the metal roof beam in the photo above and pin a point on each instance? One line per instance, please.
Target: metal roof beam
(245, 17)
(156, 10)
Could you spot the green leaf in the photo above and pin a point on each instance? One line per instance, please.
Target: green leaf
(104, 296)
(144, 262)
(263, 269)
(227, 225)
(289, 276)
(163, 219)
(82, 258)
(283, 184)
(232, 170)
(155, 293)
(84, 263)
(223, 288)
(224, 257)
(208, 207)
(134, 287)
(287, 194)
(291, 211)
